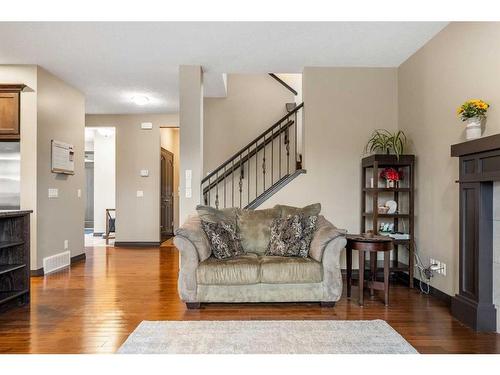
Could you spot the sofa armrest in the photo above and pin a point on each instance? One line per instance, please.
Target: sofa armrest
(332, 275)
(193, 246)
(324, 234)
(192, 231)
(188, 263)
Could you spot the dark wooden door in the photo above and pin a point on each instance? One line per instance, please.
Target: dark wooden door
(167, 194)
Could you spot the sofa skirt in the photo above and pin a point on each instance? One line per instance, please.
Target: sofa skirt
(311, 292)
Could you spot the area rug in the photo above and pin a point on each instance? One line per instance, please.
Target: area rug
(266, 337)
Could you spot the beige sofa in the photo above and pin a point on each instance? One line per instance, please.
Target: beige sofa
(256, 277)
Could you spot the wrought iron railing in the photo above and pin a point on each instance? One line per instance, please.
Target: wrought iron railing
(258, 167)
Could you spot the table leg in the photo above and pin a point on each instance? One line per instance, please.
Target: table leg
(349, 271)
(373, 270)
(361, 275)
(387, 258)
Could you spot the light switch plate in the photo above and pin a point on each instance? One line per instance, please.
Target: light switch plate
(66, 244)
(189, 193)
(79, 193)
(144, 173)
(140, 193)
(147, 126)
(53, 193)
(189, 176)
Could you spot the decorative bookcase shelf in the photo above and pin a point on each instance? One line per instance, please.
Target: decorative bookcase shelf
(14, 257)
(404, 195)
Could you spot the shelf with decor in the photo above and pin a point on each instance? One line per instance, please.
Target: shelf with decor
(387, 203)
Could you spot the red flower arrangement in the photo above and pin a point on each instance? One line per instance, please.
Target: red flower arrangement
(391, 174)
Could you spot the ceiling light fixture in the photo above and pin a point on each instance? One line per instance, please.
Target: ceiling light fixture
(140, 100)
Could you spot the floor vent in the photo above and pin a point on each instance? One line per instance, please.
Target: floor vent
(56, 262)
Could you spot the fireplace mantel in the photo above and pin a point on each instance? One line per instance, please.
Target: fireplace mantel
(479, 167)
(476, 146)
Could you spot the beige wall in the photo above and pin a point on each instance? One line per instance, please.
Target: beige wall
(137, 219)
(61, 116)
(27, 74)
(253, 103)
(460, 63)
(170, 142)
(342, 107)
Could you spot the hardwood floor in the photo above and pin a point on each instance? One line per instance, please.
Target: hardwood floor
(95, 305)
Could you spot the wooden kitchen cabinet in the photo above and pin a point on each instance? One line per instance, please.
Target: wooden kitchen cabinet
(10, 122)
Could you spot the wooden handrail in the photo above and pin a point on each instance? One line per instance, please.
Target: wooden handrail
(253, 142)
(284, 83)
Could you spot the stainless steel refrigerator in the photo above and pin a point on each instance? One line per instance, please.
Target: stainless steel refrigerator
(10, 175)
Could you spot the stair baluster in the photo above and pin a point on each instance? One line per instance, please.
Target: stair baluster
(240, 183)
(217, 190)
(264, 165)
(232, 183)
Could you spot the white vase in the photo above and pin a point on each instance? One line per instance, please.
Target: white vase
(473, 128)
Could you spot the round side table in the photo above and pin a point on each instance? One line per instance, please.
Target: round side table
(372, 246)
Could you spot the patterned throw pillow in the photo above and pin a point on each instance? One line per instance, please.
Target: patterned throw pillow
(224, 239)
(291, 236)
(308, 229)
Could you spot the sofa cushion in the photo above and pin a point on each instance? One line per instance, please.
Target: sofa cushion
(311, 210)
(224, 239)
(241, 270)
(255, 229)
(291, 236)
(213, 215)
(289, 270)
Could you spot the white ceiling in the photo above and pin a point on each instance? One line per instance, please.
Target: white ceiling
(111, 62)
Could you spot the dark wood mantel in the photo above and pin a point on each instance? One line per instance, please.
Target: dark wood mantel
(484, 144)
(479, 167)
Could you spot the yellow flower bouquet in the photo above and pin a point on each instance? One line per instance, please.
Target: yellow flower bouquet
(473, 108)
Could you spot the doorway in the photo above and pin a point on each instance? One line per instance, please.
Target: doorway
(167, 194)
(100, 156)
(89, 184)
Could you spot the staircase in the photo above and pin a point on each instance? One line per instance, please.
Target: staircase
(258, 170)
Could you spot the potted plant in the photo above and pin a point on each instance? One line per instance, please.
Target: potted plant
(473, 112)
(384, 141)
(391, 177)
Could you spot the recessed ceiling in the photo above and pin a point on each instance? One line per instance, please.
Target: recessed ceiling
(113, 62)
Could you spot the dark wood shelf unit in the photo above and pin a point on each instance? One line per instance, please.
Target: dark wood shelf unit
(6, 268)
(10, 295)
(8, 244)
(14, 257)
(382, 189)
(371, 166)
(402, 216)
